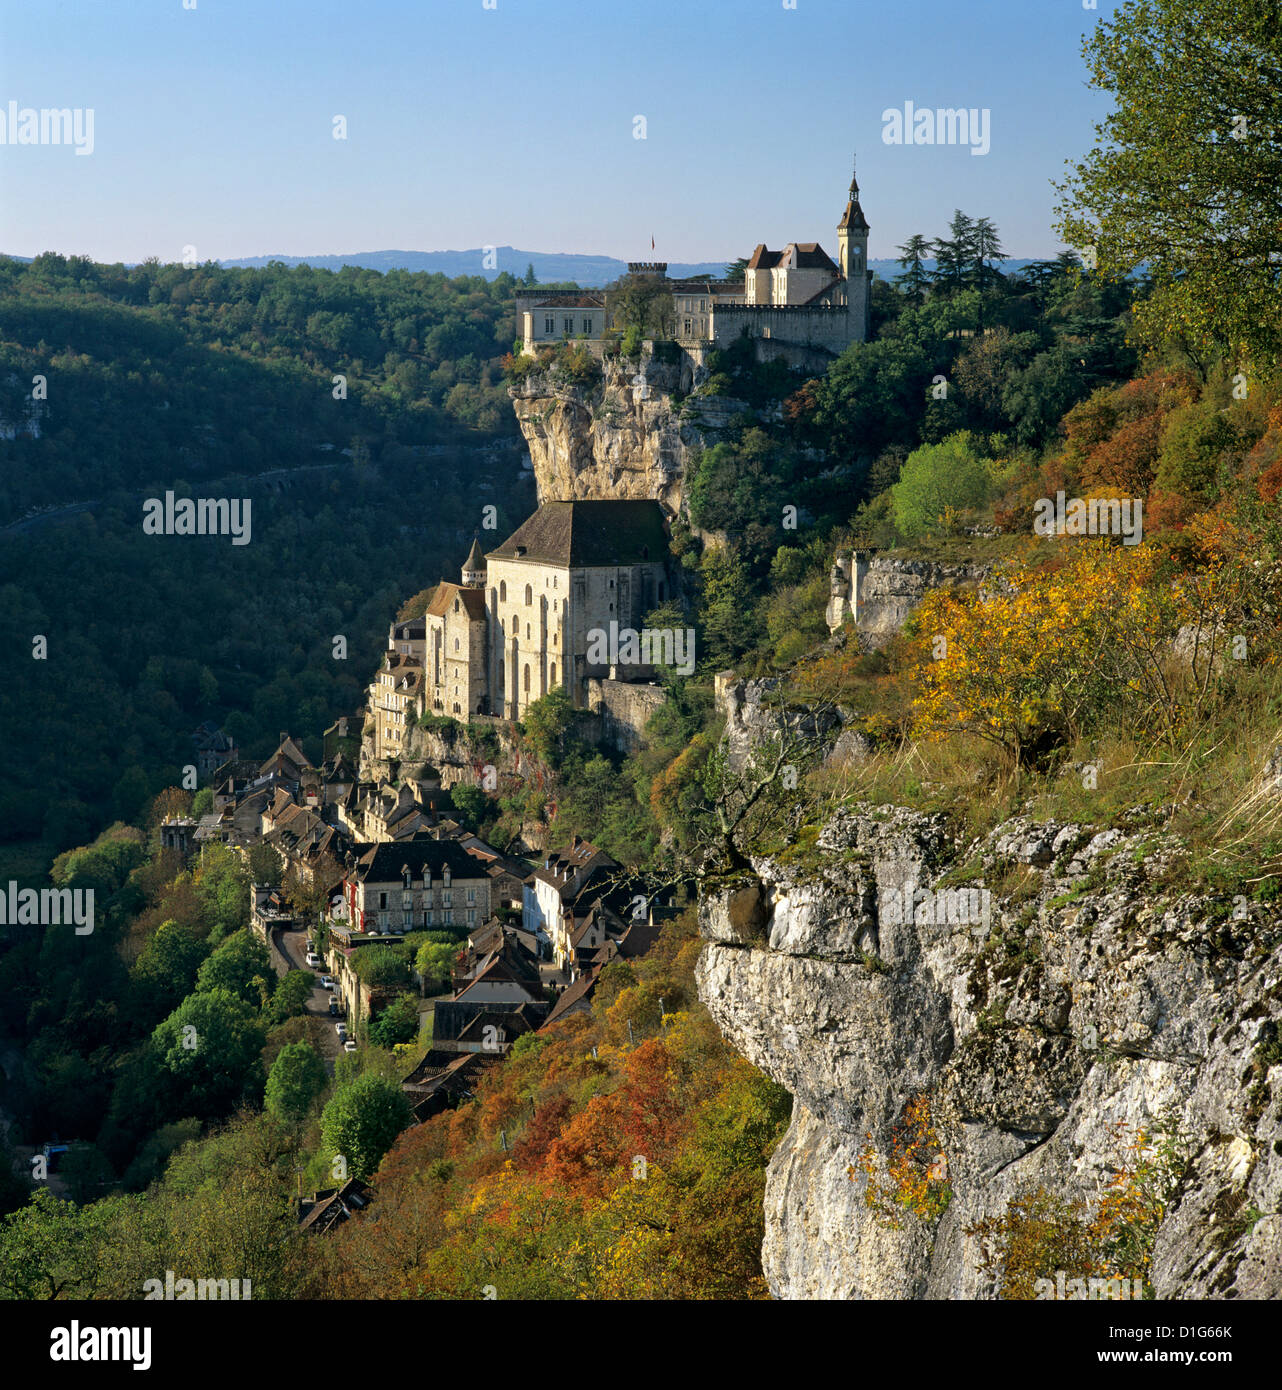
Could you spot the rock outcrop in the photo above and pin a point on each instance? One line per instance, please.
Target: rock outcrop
(1081, 1007)
(632, 435)
(888, 589)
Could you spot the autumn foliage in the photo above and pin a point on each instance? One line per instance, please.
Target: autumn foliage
(637, 1172)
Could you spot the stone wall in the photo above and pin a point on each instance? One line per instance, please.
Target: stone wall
(622, 710)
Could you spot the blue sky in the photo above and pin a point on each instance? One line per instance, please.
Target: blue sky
(514, 125)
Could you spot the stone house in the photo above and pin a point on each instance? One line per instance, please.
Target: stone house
(415, 885)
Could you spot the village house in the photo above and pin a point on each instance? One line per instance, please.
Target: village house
(551, 891)
(397, 695)
(415, 885)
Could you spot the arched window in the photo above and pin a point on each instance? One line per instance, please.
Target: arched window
(456, 644)
(503, 591)
(527, 632)
(526, 678)
(529, 595)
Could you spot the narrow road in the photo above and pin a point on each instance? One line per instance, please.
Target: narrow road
(289, 952)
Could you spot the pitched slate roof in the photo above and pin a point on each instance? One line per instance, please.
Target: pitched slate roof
(475, 559)
(382, 863)
(577, 534)
(806, 255)
(576, 997)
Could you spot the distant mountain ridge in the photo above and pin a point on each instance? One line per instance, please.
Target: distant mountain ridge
(550, 267)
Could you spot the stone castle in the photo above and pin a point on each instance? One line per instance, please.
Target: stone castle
(796, 303)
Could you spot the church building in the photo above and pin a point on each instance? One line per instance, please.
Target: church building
(520, 622)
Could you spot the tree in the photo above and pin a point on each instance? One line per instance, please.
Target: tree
(987, 247)
(955, 255)
(1184, 174)
(938, 479)
(48, 1248)
(242, 965)
(548, 721)
(435, 964)
(915, 280)
(362, 1120)
(292, 994)
(165, 972)
(645, 304)
(397, 1023)
(265, 864)
(208, 1053)
(529, 278)
(297, 1078)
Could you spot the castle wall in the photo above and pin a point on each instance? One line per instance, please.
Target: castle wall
(831, 327)
(622, 710)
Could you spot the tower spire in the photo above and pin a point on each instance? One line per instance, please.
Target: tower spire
(854, 182)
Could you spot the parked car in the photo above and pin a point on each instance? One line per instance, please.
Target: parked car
(341, 1030)
(333, 1008)
(326, 982)
(349, 1045)
(314, 960)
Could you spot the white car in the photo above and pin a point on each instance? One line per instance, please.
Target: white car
(314, 960)
(349, 1045)
(326, 982)
(341, 1030)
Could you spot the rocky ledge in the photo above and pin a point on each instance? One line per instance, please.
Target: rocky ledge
(1083, 1006)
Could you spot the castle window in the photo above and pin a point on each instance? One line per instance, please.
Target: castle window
(456, 605)
(549, 324)
(529, 595)
(456, 644)
(527, 632)
(687, 328)
(526, 678)
(503, 591)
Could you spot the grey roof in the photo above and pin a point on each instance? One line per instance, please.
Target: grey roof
(578, 534)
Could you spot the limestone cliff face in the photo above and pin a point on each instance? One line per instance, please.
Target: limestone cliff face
(889, 587)
(625, 437)
(1093, 1001)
